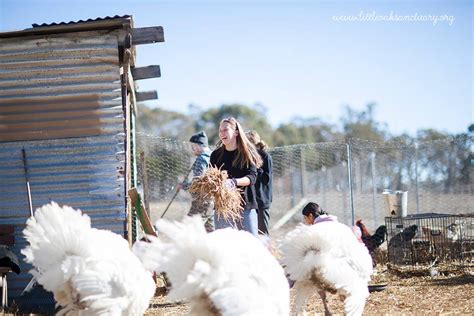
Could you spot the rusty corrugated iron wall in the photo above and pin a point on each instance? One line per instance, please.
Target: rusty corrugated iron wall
(60, 99)
(59, 86)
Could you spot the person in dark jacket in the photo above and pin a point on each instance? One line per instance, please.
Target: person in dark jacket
(263, 185)
(200, 148)
(235, 154)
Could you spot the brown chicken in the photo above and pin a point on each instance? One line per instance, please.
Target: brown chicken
(374, 241)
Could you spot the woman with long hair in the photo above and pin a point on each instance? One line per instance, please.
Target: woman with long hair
(236, 154)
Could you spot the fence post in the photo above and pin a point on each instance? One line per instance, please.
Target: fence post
(416, 179)
(349, 167)
(145, 185)
(302, 172)
(292, 183)
(324, 177)
(374, 186)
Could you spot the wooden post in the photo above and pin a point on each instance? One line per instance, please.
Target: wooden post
(142, 213)
(148, 35)
(127, 56)
(148, 72)
(146, 95)
(146, 188)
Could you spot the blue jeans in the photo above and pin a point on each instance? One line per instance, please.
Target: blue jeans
(249, 222)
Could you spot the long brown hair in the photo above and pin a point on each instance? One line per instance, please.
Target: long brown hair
(247, 154)
(255, 139)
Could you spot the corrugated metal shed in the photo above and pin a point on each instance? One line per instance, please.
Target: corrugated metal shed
(65, 91)
(60, 86)
(63, 100)
(80, 172)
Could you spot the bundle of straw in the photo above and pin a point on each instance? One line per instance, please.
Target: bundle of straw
(227, 202)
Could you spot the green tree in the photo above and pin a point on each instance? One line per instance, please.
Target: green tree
(303, 131)
(164, 123)
(254, 118)
(445, 160)
(361, 124)
(401, 168)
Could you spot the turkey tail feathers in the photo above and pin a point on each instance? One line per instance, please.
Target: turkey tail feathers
(185, 249)
(53, 232)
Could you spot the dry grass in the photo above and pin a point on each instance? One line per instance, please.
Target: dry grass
(227, 202)
(442, 295)
(451, 294)
(445, 294)
(418, 295)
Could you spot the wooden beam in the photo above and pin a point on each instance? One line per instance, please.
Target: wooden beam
(146, 95)
(146, 188)
(147, 35)
(288, 215)
(146, 72)
(141, 211)
(131, 89)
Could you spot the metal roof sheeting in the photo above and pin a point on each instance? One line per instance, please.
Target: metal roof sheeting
(83, 21)
(59, 86)
(103, 24)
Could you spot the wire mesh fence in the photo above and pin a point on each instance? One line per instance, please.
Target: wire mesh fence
(346, 178)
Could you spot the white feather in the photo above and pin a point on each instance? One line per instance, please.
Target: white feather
(227, 272)
(329, 253)
(89, 271)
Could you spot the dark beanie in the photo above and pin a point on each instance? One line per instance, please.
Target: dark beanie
(200, 138)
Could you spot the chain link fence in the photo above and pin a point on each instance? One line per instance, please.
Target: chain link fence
(346, 178)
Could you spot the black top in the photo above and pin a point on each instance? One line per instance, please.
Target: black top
(221, 158)
(263, 185)
(8, 259)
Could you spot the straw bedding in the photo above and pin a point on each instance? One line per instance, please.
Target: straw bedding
(228, 203)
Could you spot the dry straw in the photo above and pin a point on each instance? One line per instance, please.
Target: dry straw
(227, 202)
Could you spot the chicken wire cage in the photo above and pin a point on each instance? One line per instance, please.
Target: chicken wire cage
(430, 240)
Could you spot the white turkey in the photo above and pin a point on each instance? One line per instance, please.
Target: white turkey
(226, 272)
(327, 257)
(89, 271)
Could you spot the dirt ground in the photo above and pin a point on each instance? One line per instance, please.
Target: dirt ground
(406, 293)
(451, 294)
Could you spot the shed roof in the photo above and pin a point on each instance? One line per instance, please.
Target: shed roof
(100, 23)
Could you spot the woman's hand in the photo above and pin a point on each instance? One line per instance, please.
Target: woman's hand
(231, 184)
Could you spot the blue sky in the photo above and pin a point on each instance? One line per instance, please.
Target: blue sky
(296, 58)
